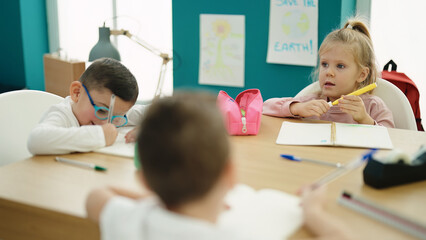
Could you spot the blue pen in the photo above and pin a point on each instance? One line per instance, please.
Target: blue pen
(297, 159)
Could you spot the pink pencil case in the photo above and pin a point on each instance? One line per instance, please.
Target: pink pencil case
(242, 115)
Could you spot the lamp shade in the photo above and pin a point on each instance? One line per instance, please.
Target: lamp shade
(104, 47)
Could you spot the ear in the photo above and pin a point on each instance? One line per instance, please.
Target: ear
(76, 89)
(364, 74)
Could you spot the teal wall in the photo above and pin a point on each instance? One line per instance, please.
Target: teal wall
(274, 80)
(12, 71)
(348, 10)
(23, 43)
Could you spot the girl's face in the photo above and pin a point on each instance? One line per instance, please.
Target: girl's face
(339, 74)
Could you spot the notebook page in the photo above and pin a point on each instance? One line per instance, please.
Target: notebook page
(304, 134)
(267, 213)
(360, 135)
(120, 147)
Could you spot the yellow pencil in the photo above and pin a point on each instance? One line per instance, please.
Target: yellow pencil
(357, 92)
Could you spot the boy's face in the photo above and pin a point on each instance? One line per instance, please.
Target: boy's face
(84, 110)
(339, 74)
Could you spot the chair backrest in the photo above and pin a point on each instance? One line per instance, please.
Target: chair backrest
(21, 110)
(395, 100)
(398, 103)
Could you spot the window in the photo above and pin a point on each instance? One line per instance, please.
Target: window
(78, 22)
(397, 32)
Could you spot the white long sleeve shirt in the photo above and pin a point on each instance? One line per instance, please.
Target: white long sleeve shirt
(59, 131)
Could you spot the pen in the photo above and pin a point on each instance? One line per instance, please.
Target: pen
(111, 108)
(384, 215)
(357, 92)
(80, 164)
(333, 175)
(297, 159)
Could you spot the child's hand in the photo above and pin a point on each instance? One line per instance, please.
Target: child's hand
(132, 135)
(313, 198)
(110, 133)
(354, 106)
(310, 108)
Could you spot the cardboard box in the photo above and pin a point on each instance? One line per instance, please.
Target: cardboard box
(59, 73)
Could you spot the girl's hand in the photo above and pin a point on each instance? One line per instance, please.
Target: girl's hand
(132, 135)
(310, 108)
(354, 106)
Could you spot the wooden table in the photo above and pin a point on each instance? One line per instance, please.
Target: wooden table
(44, 199)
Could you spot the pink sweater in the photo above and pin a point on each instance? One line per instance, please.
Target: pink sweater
(375, 107)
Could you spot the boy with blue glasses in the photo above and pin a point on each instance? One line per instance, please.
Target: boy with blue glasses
(102, 100)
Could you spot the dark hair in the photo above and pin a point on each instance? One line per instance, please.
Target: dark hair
(183, 147)
(111, 74)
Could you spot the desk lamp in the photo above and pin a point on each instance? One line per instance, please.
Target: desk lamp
(104, 48)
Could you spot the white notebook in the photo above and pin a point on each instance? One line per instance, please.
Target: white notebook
(334, 134)
(264, 214)
(120, 147)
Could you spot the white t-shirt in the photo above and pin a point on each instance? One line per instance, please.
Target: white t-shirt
(123, 218)
(266, 214)
(59, 131)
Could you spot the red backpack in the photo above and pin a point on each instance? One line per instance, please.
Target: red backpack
(407, 86)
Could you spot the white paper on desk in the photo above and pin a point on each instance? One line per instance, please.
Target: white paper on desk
(346, 135)
(120, 147)
(360, 135)
(267, 213)
(304, 134)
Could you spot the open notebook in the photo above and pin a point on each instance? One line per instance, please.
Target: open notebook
(334, 134)
(267, 213)
(120, 147)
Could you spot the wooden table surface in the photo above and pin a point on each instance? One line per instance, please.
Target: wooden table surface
(43, 199)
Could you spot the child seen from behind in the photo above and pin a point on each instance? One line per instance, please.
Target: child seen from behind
(184, 153)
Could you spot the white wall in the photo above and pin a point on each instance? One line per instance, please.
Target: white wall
(398, 33)
(150, 20)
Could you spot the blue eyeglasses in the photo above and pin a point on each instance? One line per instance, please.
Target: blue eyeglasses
(102, 113)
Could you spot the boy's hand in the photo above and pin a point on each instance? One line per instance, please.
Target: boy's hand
(354, 106)
(132, 135)
(310, 108)
(110, 133)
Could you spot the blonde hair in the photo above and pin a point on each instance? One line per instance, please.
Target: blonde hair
(356, 37)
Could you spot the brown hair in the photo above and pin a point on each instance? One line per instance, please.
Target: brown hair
(356, 36)
(183, 147)
(111, 74)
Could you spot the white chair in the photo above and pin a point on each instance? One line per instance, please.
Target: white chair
(394, 98)
(20, 111)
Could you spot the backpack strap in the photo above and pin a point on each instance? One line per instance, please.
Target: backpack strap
(392, 64)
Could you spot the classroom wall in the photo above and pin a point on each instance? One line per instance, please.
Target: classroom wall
(23, 43)
(274, 80)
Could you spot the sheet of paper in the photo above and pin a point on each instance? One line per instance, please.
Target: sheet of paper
(304, 134)
(266, 214)
(222, 50)
(293, 32)
(120, 147)
(359, 135)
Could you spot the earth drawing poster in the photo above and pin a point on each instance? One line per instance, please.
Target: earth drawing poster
(293, 32)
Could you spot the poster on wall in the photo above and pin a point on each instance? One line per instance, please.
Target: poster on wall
(222, 50)
(293, 32)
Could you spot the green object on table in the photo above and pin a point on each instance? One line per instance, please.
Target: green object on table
(136, 158)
